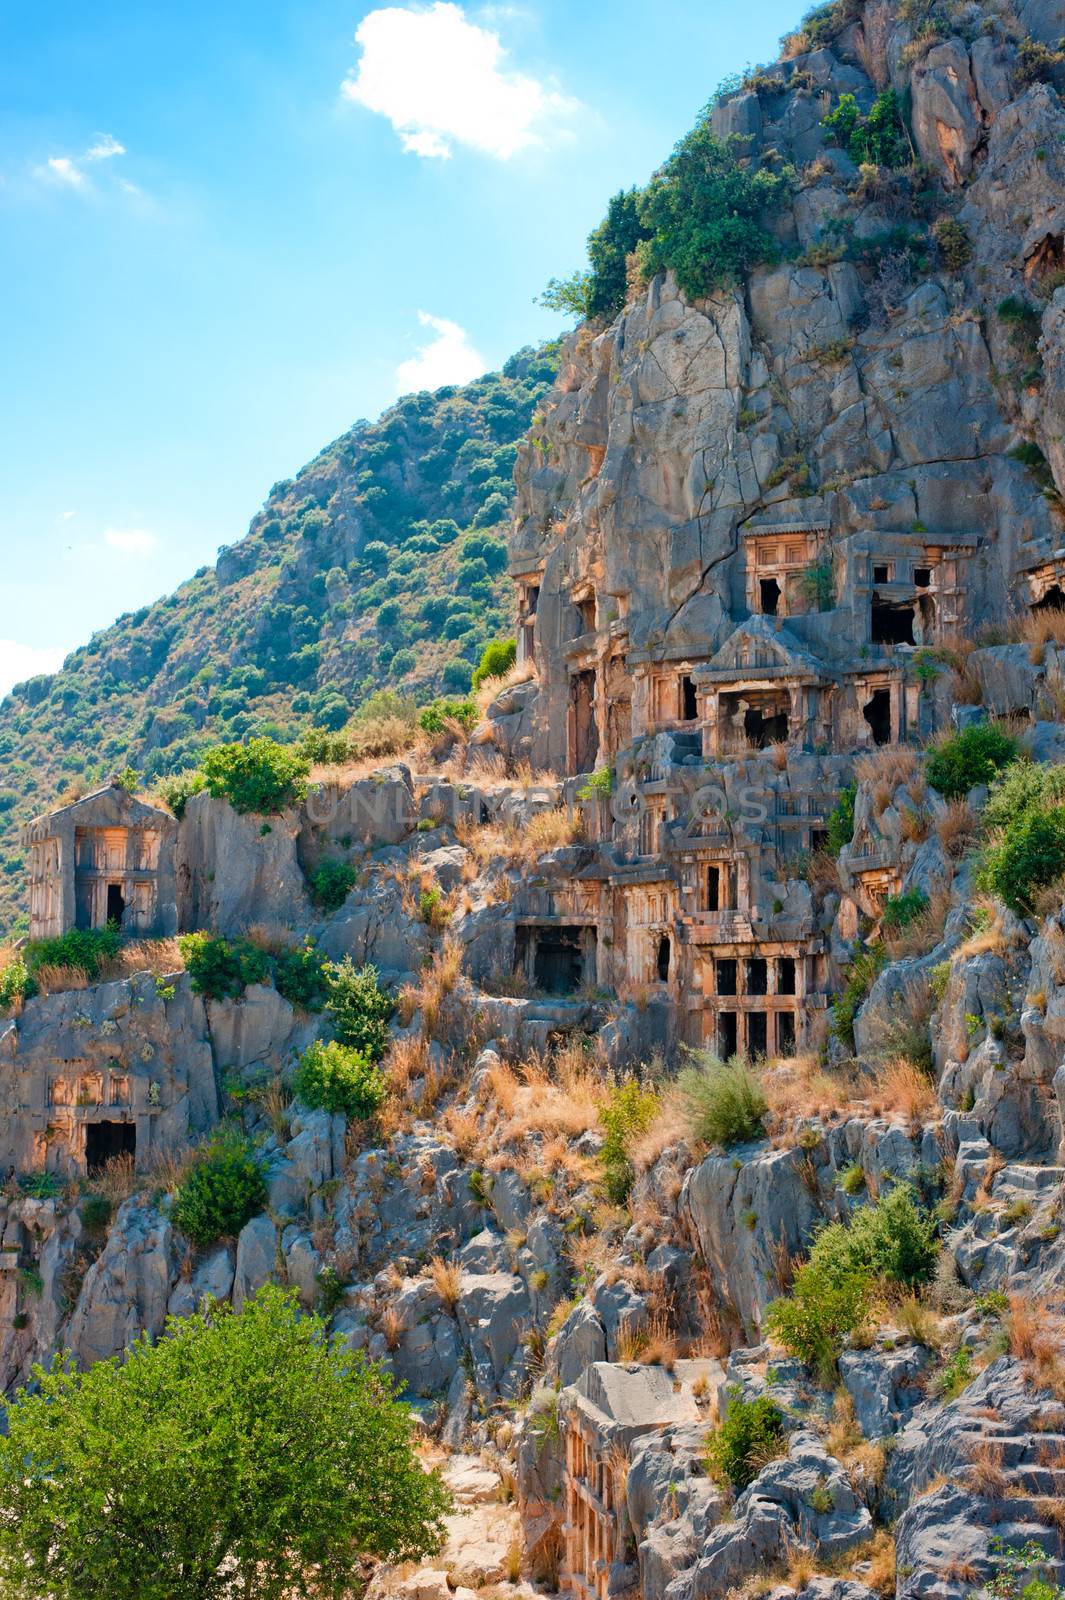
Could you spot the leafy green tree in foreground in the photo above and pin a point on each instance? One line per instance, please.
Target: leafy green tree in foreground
(242, 1454)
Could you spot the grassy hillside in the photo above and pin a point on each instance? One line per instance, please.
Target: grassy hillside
(381, 565)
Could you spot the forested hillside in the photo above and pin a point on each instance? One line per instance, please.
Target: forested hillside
(380, 565)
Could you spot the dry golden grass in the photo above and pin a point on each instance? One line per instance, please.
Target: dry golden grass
(438, 980)
(1047, 901)
(801, 1086)
(144, 955)
(670, 1127)
(447, 1280)
(1037, 629)
(589, 1254)
(915, 825)
(992, 1167)
(652, 1345)
(169, 1168)
(54, 979)
(1037, 1336)
(516, 848)
(881, 1576)
(801, 1567)
(464, 1129)
(392, 1327)
(822, 873)
(918, 1320)
(906, 1089)
(887, 768)
(562, 1095)
(117, 1181)
(957, 829)
(984, 1473)
(405, 1060)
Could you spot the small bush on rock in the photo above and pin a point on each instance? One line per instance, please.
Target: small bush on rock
(902, 909)
(703, 210)
(879, 139)
(299, 975)
(224, 1190)
(434, 718)
(630, 1109)
(86, 948)
(261, 776)
(178, 790)
(840, 825)
(16, 984)
(221, 969)
(891, 1242)
(359, 1007)
(496, 661)
(969, 758)
(334, 1077)
(1028, 855)
(723, 1099)
(751, 1434)
(331, 882)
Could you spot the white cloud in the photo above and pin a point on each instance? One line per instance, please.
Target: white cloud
(440, 80)
(70, 169)
(21, 661)
(64, 169)
(449, 357)
(105, 147)
(131, 541)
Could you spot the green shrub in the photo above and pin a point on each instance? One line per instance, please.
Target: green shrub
(86, 948)
(723, 1099)
(750, 1434)
(1024, 786)
(95, 1213)
(852, 1179)
(261, 776)
(330, 883)
(969, 758)
(496, 661)
(861, 975)
(878, 139)
(325, 748)
(224, 1190)
(954, 244)
(840, 824)
(630, 1109)
(598, 785)
(891, 1241)
(178, 790)
(434, 717)
(1027, 855)
(703, 212)
(299, 975)
(902, 909)
(359, 1007)
(819, 1315)
(334, 1077)
(221, 969)
(16, 984)
(242, 1453)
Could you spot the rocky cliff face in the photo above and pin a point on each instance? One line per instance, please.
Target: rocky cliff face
(876, 385)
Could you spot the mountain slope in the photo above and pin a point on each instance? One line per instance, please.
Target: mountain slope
(379, 566)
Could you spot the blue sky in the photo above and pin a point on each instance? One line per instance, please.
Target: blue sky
(227, 230)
